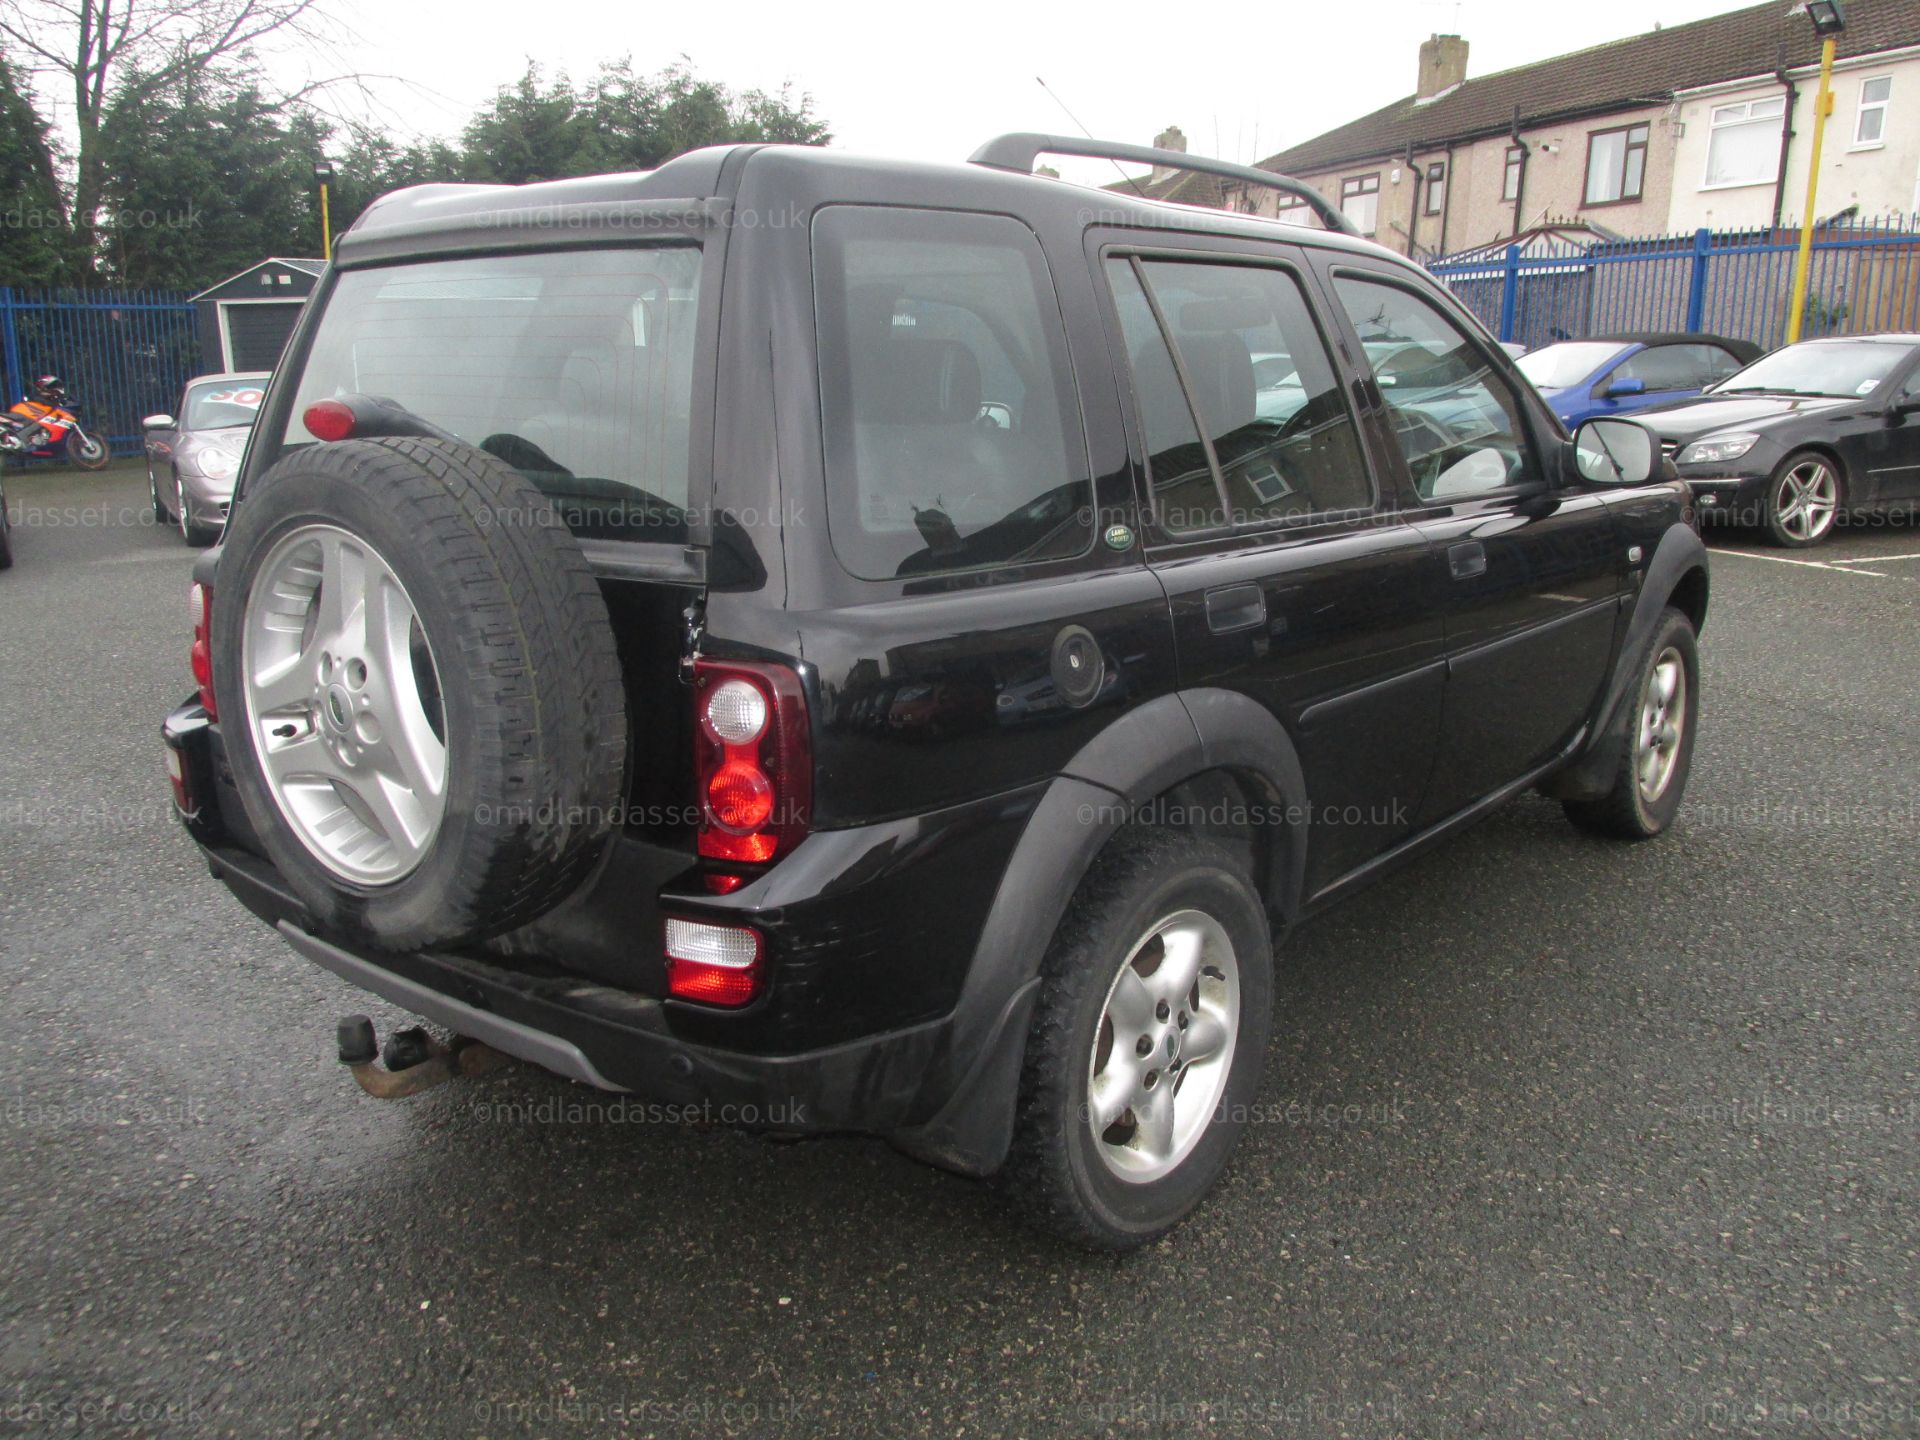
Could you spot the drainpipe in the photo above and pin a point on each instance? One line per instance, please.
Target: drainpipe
(1413, 215)
(1520, 187)
(1786, 143)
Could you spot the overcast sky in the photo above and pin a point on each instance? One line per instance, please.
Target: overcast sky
(1243, 80)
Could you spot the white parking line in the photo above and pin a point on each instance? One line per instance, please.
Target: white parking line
(1837, 567)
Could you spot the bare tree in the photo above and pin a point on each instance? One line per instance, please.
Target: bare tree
(92, 49)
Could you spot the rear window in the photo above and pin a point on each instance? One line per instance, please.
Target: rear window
(574, 367)
(952, 437)
(223, 404)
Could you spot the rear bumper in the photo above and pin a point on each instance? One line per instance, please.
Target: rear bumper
(830, 913)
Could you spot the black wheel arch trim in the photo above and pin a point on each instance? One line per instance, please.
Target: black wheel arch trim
(1678, 567)
(971, 1092)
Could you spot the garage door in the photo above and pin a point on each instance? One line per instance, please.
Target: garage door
(256, 333)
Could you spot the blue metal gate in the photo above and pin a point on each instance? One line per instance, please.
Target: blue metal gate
(1864, 276)
(124, 354)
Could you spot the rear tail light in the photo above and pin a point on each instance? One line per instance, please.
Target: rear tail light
(200, 606)
(753, 760)
(714, 964)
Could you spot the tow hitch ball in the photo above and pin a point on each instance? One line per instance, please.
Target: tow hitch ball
(412, 1060)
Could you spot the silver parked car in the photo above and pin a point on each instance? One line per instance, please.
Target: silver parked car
(192, 458)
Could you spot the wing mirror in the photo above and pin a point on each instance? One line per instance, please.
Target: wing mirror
(1616, 452)
(157, 422)
(1626, 387)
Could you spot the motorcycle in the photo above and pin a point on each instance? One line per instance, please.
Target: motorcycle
(50, 432)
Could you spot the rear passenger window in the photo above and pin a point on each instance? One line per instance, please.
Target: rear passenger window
(952, 436)
(1260, 382)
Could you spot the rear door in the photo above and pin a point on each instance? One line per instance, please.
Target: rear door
(1294, 574)
(1533, 573)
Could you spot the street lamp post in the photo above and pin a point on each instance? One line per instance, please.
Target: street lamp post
(1828, 21)
(323, 172)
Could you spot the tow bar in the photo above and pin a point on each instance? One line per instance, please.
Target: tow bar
(412, 1060)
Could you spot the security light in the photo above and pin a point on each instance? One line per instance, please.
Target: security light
(1827, 17)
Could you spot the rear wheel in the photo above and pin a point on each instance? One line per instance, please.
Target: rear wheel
(419, 688)
(160, 515)
(6, 534)
(1147, 1043)
(1803, 500)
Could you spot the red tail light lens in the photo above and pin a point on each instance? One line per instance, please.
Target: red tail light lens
(200, 658)
(753, 760)
(328, 420)
(714, 964)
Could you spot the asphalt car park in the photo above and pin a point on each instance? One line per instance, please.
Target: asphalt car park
(1556, 1137)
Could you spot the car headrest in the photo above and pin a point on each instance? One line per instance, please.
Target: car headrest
(1222, 375)
(921, 382)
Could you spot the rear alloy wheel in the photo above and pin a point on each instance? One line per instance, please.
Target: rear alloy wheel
(420, 693)
(1803, 500)
(1147, 1042)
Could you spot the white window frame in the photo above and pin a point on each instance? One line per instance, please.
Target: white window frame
(1720, 117)
(1864, 106)
(1511, 166)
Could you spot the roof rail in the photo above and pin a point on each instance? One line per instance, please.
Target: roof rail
(1018, 151)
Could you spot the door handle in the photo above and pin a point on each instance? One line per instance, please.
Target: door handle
(1235, 607)
(1467, 559)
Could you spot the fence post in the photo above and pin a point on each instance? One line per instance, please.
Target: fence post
(1509, 292)
(1697, 284)
(9, 349)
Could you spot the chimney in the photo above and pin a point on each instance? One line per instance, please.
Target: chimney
(1443, 65)
(1171, 138)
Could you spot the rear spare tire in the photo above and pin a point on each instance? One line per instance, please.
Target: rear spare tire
(418, 688)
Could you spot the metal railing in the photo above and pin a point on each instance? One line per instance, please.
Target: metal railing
(1864, 277)
(124, 354)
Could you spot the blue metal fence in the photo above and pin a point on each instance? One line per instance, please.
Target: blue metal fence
(1864, 276)
(123, 353)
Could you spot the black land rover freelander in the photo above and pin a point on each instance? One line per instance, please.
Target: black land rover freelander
(893, 645)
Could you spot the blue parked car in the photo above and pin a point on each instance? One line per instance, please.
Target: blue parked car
(1618, 374)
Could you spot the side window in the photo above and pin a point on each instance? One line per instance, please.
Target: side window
(948, 412)
(1260, 381)
(1667, 367)
(1721, 363)
(1457, 422)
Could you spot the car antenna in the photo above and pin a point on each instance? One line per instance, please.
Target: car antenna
(1089, 134)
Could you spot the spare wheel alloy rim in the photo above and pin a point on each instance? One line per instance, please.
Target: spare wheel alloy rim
(344, 705)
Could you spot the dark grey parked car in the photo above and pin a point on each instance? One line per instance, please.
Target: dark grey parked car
(192, 458)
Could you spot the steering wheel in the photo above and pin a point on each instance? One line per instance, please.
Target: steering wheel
(1427, 463)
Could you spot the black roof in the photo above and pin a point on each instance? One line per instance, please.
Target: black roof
(1744, 349)
(1633, 72)
(690, 193)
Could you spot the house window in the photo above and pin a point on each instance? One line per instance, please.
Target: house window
(1744, 148)
(1510, 182)
(1436, 188)
(1288, 207)
(1870, 125)
(1360, 201)
(1616, 164)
